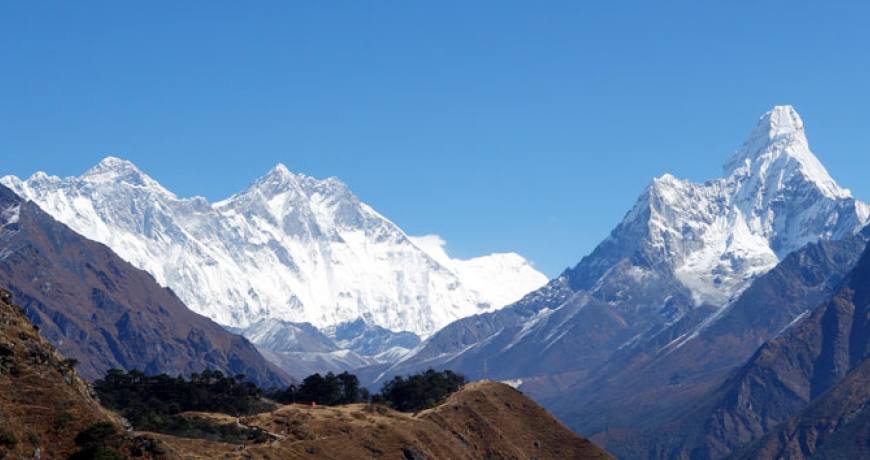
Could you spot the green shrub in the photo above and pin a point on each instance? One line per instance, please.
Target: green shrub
(62, 420)
(98, 442)
(8, 439)
(96, 435)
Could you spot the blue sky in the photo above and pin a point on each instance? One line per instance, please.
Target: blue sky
(524, 126)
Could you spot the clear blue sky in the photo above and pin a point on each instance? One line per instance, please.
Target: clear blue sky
(525, 126)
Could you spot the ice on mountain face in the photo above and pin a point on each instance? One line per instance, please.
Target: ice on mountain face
(289, 247)
(775, 198)
(10, 215)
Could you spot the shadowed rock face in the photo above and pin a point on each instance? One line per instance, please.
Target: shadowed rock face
(836, 425)
(105, 313)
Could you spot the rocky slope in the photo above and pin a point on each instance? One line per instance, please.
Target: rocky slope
(483, 420)
(43, 402)
(288, 247)
(104, 312)
(836, 425)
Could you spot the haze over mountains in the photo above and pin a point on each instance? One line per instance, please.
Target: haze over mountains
(288, 247)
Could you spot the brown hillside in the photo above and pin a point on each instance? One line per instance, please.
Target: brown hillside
(43, 403)
(485, 420)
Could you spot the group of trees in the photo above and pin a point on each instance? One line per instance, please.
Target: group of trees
(327, 390)
(152, 403)
(408, 394)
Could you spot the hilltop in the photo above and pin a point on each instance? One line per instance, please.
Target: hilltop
(482, 420)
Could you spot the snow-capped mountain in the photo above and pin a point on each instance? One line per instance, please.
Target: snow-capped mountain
(677, 261)
(717, 236)
(288, 247)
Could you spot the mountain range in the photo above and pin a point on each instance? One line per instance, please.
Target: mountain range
(288, 247)
(723, 318)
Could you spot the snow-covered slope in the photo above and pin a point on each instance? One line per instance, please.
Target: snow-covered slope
(288, 247)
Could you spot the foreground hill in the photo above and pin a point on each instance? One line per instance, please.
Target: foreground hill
(483, 420)
(104, 312)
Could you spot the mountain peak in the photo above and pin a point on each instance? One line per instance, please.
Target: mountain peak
(778, 148)
(279, 170)
(114, 169)
(277, 180)
(781, 119)
(112, 164)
